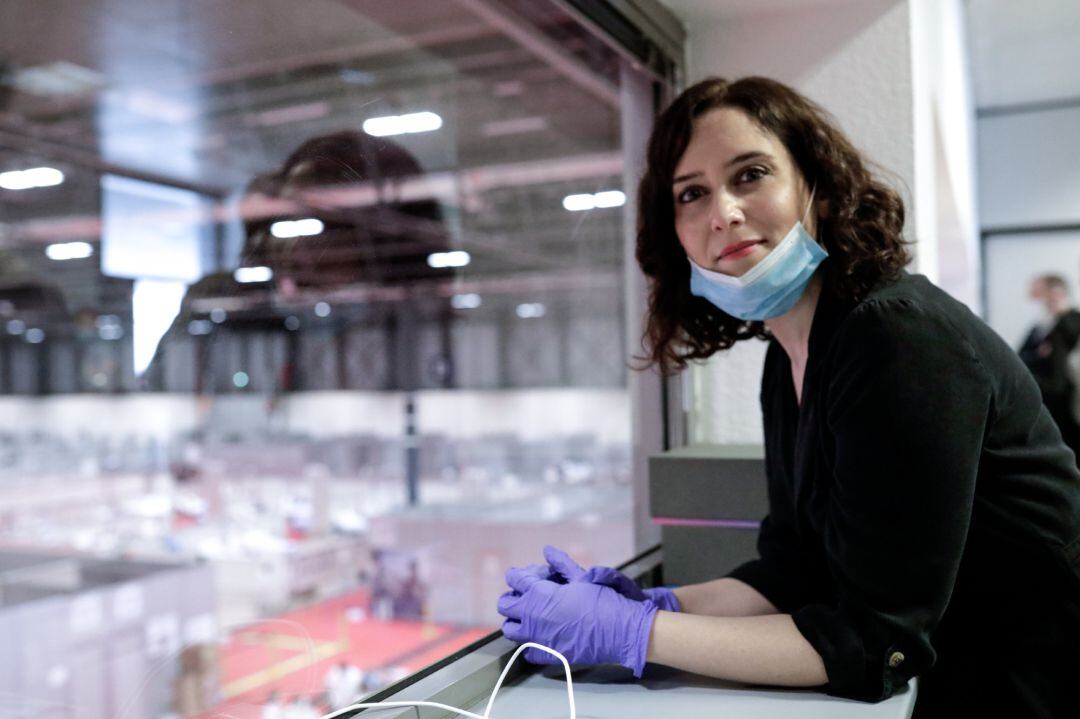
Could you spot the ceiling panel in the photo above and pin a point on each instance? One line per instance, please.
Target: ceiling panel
(1024, 52)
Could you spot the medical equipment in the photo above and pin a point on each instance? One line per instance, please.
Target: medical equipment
(491, 700)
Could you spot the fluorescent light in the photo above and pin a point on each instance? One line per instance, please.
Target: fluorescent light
(218, 315)
(58, 79)
(292, 323)
(200, 327)
(69, 251)
(402, 124)
(286, 229)
(469, 301)
(16, 327)
(456, 258)
(292, 113)
(530, 310)
(240, 380)
(35, 335)
(245, 275)
(27, 179)
(513, 126)
(109, 327)
(577, 203)
(610, 198)
(322, 309)
(607, 198)
(110, 332)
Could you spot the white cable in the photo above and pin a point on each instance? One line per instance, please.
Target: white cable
(491, 699)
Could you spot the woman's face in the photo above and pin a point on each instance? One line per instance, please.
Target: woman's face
(737, 193)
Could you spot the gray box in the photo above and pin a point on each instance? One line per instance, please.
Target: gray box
(699, 554)
(708, 501)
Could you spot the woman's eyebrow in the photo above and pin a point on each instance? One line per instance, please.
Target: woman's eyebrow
(684, 178)
(753, 155)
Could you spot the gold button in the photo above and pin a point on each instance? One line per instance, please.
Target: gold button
(896, 659)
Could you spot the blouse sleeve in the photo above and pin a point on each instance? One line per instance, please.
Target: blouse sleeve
(906, 405)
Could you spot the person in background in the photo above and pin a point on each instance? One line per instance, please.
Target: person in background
(301, 708)
(272, 708)
(1046, 350)
(924, 512)
(344, 684)
(409, 600)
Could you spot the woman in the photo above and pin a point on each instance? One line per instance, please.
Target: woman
(924, 513)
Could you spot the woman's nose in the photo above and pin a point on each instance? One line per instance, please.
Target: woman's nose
(726, 212)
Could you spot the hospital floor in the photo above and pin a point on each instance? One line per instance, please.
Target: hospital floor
(291, 653)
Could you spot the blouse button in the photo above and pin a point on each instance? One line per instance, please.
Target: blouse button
(896, 659)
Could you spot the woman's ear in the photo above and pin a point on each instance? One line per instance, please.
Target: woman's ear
(822, 207)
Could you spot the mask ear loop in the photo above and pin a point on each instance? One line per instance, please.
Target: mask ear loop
(809, 204)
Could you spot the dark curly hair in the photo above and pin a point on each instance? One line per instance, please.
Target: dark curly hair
(862, 229)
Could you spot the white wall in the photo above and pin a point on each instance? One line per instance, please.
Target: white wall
(1029, 168)
(160, 416)
(530, 414)
(1024, 52)
(944, 213)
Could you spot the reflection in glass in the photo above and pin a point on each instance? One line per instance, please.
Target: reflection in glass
(303, 340)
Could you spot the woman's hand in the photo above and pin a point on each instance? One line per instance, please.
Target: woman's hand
(561, 566)
(587, 623)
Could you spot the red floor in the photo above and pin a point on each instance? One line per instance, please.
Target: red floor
(293, 652)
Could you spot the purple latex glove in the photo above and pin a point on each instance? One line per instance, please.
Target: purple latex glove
(561, 565)
(587, 623)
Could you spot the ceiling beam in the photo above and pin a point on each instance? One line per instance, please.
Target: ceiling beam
(544, 48)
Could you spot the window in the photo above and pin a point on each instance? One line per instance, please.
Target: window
(312, 322)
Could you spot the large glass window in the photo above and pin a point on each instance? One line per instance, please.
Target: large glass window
(312, 322)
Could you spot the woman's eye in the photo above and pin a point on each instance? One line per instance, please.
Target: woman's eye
(688, 195)
(751, 174)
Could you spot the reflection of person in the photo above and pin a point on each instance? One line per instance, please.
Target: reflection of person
(366, 239)
(924, 513)
(1046, 349)
(372, 240)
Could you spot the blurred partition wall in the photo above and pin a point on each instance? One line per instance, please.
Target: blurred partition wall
(328, 302)
(1028, 115)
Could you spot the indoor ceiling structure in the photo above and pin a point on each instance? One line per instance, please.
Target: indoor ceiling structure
(207, 96)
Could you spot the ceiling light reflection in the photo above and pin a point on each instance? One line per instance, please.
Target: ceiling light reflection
(69, 251)
(402, 124)
(286, 229)
(455, 258)
(33, 177)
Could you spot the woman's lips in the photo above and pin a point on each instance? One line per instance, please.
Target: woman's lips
(739, 249)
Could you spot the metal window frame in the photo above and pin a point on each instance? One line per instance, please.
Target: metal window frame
(644, 31)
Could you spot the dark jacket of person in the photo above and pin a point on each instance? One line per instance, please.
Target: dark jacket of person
(1046, 355)
(924, 513)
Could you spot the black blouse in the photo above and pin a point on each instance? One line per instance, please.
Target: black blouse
(924, 514)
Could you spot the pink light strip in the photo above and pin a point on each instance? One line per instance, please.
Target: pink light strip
(688, 522)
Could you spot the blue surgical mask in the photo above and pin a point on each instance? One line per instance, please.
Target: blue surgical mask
(771, 287)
